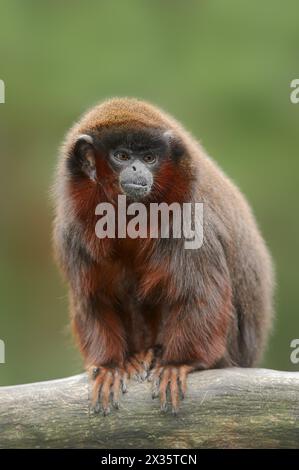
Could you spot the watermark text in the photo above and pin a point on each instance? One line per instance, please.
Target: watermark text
(294, 96)
(2, 352)
(294, 357)
(2, 92)
(162, 220)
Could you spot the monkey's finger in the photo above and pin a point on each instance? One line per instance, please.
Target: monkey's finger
(124, 382)
(140, 356)
(132, 368)
(139, 374)
(144, 375)
(97, 407)
(116, 389)
(174, 390)
(155, 378)
(148, 359)
(96, 391)
(105, 392)
(141, 364)
(183, 373)
(142, 372)
(155, 373)
(155, 387)
(163, 388)
(134, 361)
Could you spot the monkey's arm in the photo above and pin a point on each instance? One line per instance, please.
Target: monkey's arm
(98, 328)
(102, 342)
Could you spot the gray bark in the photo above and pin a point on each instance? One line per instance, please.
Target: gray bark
(229, 408)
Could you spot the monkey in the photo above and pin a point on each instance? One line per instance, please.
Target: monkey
(149, 308)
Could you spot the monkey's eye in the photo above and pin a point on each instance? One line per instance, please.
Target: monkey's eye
(149, 158)
(121, 155)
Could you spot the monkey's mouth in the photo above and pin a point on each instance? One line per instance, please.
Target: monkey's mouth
(135, 185)
(135, 191)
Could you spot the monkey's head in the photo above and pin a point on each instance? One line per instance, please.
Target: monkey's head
(126, 152)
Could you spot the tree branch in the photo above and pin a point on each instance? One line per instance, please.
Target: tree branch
(228, 408)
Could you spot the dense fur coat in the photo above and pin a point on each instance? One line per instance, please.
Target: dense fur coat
(151, 304)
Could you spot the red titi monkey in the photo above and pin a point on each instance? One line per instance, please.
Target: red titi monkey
(150, 307)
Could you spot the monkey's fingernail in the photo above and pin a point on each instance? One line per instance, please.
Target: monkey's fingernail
(164, 407)
(155, 389)
(97, 408)
(144, 375)
(146, 366)
(106, 411)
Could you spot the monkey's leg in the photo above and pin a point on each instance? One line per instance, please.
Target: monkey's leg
(194, 337)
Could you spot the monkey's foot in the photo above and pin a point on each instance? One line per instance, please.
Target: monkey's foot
(108, 384)
(172, 381)
(138, 365)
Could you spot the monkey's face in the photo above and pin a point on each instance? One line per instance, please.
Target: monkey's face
(132, 159)
(136, 158)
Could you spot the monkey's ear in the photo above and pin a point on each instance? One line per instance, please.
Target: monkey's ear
(177, 148)
(85, 155)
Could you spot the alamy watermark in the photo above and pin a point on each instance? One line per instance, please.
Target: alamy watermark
(2, 92)
(156, 220)
(294, 96)
(294, 357)
(2, 352)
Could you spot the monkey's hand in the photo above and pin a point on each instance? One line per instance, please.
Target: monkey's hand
(138, 365)
(109, 383)
(172, 380)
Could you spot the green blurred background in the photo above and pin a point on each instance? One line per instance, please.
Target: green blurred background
(223, 68)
